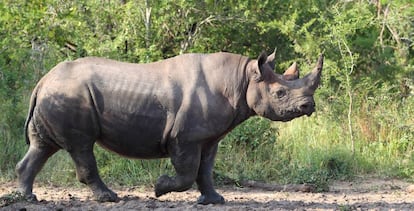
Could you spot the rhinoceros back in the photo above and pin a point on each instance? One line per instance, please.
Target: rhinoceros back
(94, 99)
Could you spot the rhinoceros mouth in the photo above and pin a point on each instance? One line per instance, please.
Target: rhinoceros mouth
(309, 114)
(290, 115)
(286, 117)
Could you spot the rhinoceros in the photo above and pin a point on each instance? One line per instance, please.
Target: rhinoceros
(178, 108)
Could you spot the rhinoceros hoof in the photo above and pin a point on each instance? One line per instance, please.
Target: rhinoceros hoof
(213, 199)
(30, 197)
(107, 196)
(162, 186)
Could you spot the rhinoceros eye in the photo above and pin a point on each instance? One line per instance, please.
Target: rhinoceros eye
(280, 93)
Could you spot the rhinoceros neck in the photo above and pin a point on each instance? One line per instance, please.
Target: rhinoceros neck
(237, 93)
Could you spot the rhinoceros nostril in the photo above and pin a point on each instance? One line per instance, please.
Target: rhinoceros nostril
(307, 107)
(303, 107)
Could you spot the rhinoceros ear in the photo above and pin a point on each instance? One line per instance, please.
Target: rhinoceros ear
(271, 59)
(292, 73)
(261, 60)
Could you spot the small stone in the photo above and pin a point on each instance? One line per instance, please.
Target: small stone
(410, 189)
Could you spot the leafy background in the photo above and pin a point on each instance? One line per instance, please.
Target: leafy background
(364, 122)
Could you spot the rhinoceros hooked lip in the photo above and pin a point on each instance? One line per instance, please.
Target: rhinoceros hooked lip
(179, 108)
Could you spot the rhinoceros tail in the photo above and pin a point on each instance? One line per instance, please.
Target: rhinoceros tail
(32, 106)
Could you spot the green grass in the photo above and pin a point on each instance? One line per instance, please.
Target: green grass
(318, 149)
(303, 153)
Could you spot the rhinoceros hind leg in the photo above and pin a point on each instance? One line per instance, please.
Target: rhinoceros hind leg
(205, 177)
(87, 173)
(186, 160)
(32, 163)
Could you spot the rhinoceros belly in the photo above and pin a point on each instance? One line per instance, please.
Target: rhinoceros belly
(135, 135)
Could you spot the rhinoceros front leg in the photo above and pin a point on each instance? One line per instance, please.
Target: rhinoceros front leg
(185, 158)
(205, 177)
(87, 173)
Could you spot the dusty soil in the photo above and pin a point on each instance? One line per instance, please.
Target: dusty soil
(362, 194)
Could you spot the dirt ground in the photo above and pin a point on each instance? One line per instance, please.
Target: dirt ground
(362, 194)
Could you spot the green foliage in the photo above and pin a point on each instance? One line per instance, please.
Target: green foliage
(252, 134)
(365, 106)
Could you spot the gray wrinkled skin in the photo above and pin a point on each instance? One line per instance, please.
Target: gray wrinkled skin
(179, 108)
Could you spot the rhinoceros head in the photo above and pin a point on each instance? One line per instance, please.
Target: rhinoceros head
(281, 97)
